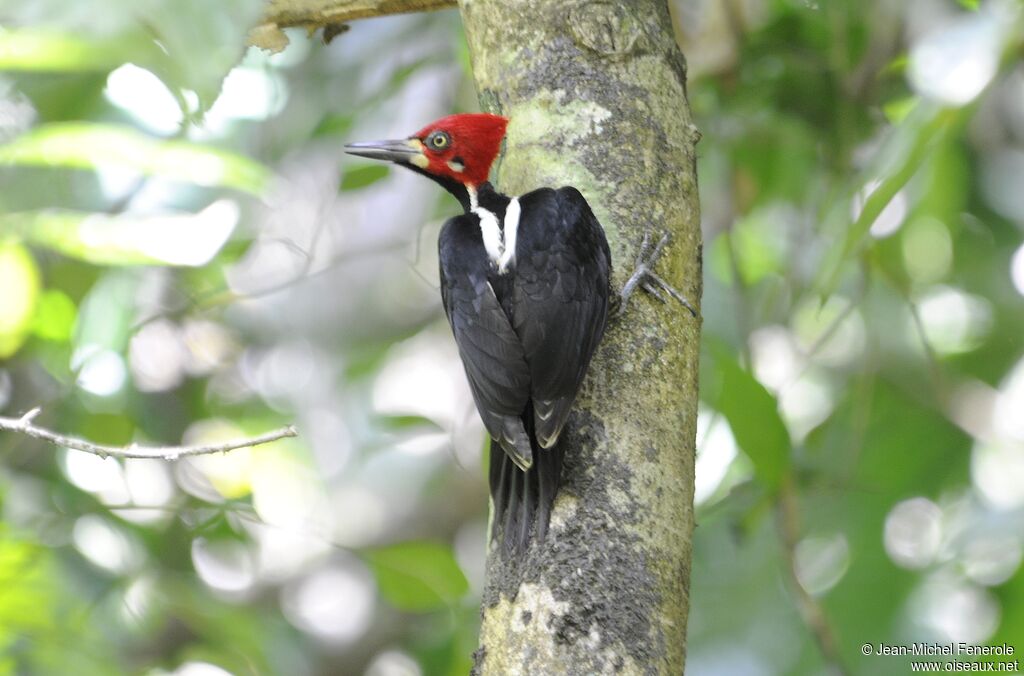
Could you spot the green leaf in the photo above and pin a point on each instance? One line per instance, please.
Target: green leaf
(27, 49)
(333, 125)
(55, 316)
(970, 4)
(898, 65)
(82, 145)
(27, 604)
(405, 422)
(19, 279)
(172, 239)
(360, 177)
(753, 415)
(897, 110)
(418, 576)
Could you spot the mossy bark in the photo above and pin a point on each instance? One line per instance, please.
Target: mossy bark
(596, 93)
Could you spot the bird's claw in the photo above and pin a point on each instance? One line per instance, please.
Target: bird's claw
(647, 279)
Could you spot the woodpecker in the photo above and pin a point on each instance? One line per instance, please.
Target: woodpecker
(526, 287)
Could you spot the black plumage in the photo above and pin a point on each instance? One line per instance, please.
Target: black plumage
(526, 337)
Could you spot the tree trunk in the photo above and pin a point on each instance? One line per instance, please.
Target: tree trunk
(596, 94)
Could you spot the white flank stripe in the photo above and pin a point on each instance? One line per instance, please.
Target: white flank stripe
(511, 226)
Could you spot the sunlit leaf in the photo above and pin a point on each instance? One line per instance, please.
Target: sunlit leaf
(173, 239)
(82, 145)
(897, 110)
(753, 415)
(40, 50)
(39, 611)
(418, 576)
(19, 281)
(55, 316)
(360, 177)
(27, 602)
(897, 65)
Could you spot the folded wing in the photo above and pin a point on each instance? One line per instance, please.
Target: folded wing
(491, 352)
(560, 300)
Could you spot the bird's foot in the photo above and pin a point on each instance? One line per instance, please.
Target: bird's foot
(646, 278)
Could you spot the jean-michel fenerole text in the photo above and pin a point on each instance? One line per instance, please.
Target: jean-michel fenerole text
(954, 649)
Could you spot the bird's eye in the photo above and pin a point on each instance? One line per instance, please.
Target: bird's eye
(438, 140)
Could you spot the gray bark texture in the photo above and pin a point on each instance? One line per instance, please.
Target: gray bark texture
(596, 94)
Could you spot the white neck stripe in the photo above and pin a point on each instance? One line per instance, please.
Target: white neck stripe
(491, 232)
(499, 238)
(510, 228)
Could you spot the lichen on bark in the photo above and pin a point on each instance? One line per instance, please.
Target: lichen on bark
(597, 99)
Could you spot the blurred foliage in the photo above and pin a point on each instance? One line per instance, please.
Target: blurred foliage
(418, 575)
(752, 413)
(185, 257)
(866, 276)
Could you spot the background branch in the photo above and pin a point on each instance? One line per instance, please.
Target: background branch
(813, 614)
(329, 15)
(23, 425)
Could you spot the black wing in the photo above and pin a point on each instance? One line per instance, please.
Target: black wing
(491, 352)
(560, 299)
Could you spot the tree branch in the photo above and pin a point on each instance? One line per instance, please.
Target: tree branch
(327, 14)
(23, 425)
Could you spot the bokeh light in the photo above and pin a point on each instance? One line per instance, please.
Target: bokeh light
(333, 604)
(913, 533)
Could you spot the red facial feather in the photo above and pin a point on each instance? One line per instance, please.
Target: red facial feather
(475, 142)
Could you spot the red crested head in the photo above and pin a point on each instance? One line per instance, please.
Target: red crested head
(462, 147)
(455, 150)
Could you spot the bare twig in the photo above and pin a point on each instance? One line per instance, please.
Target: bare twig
(326, 12)
(934, 368)
(812, 612)
(23, 425)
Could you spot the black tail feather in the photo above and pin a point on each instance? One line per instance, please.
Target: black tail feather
(548, 477)
(523, 500)
(527, 501)
(508, 524)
